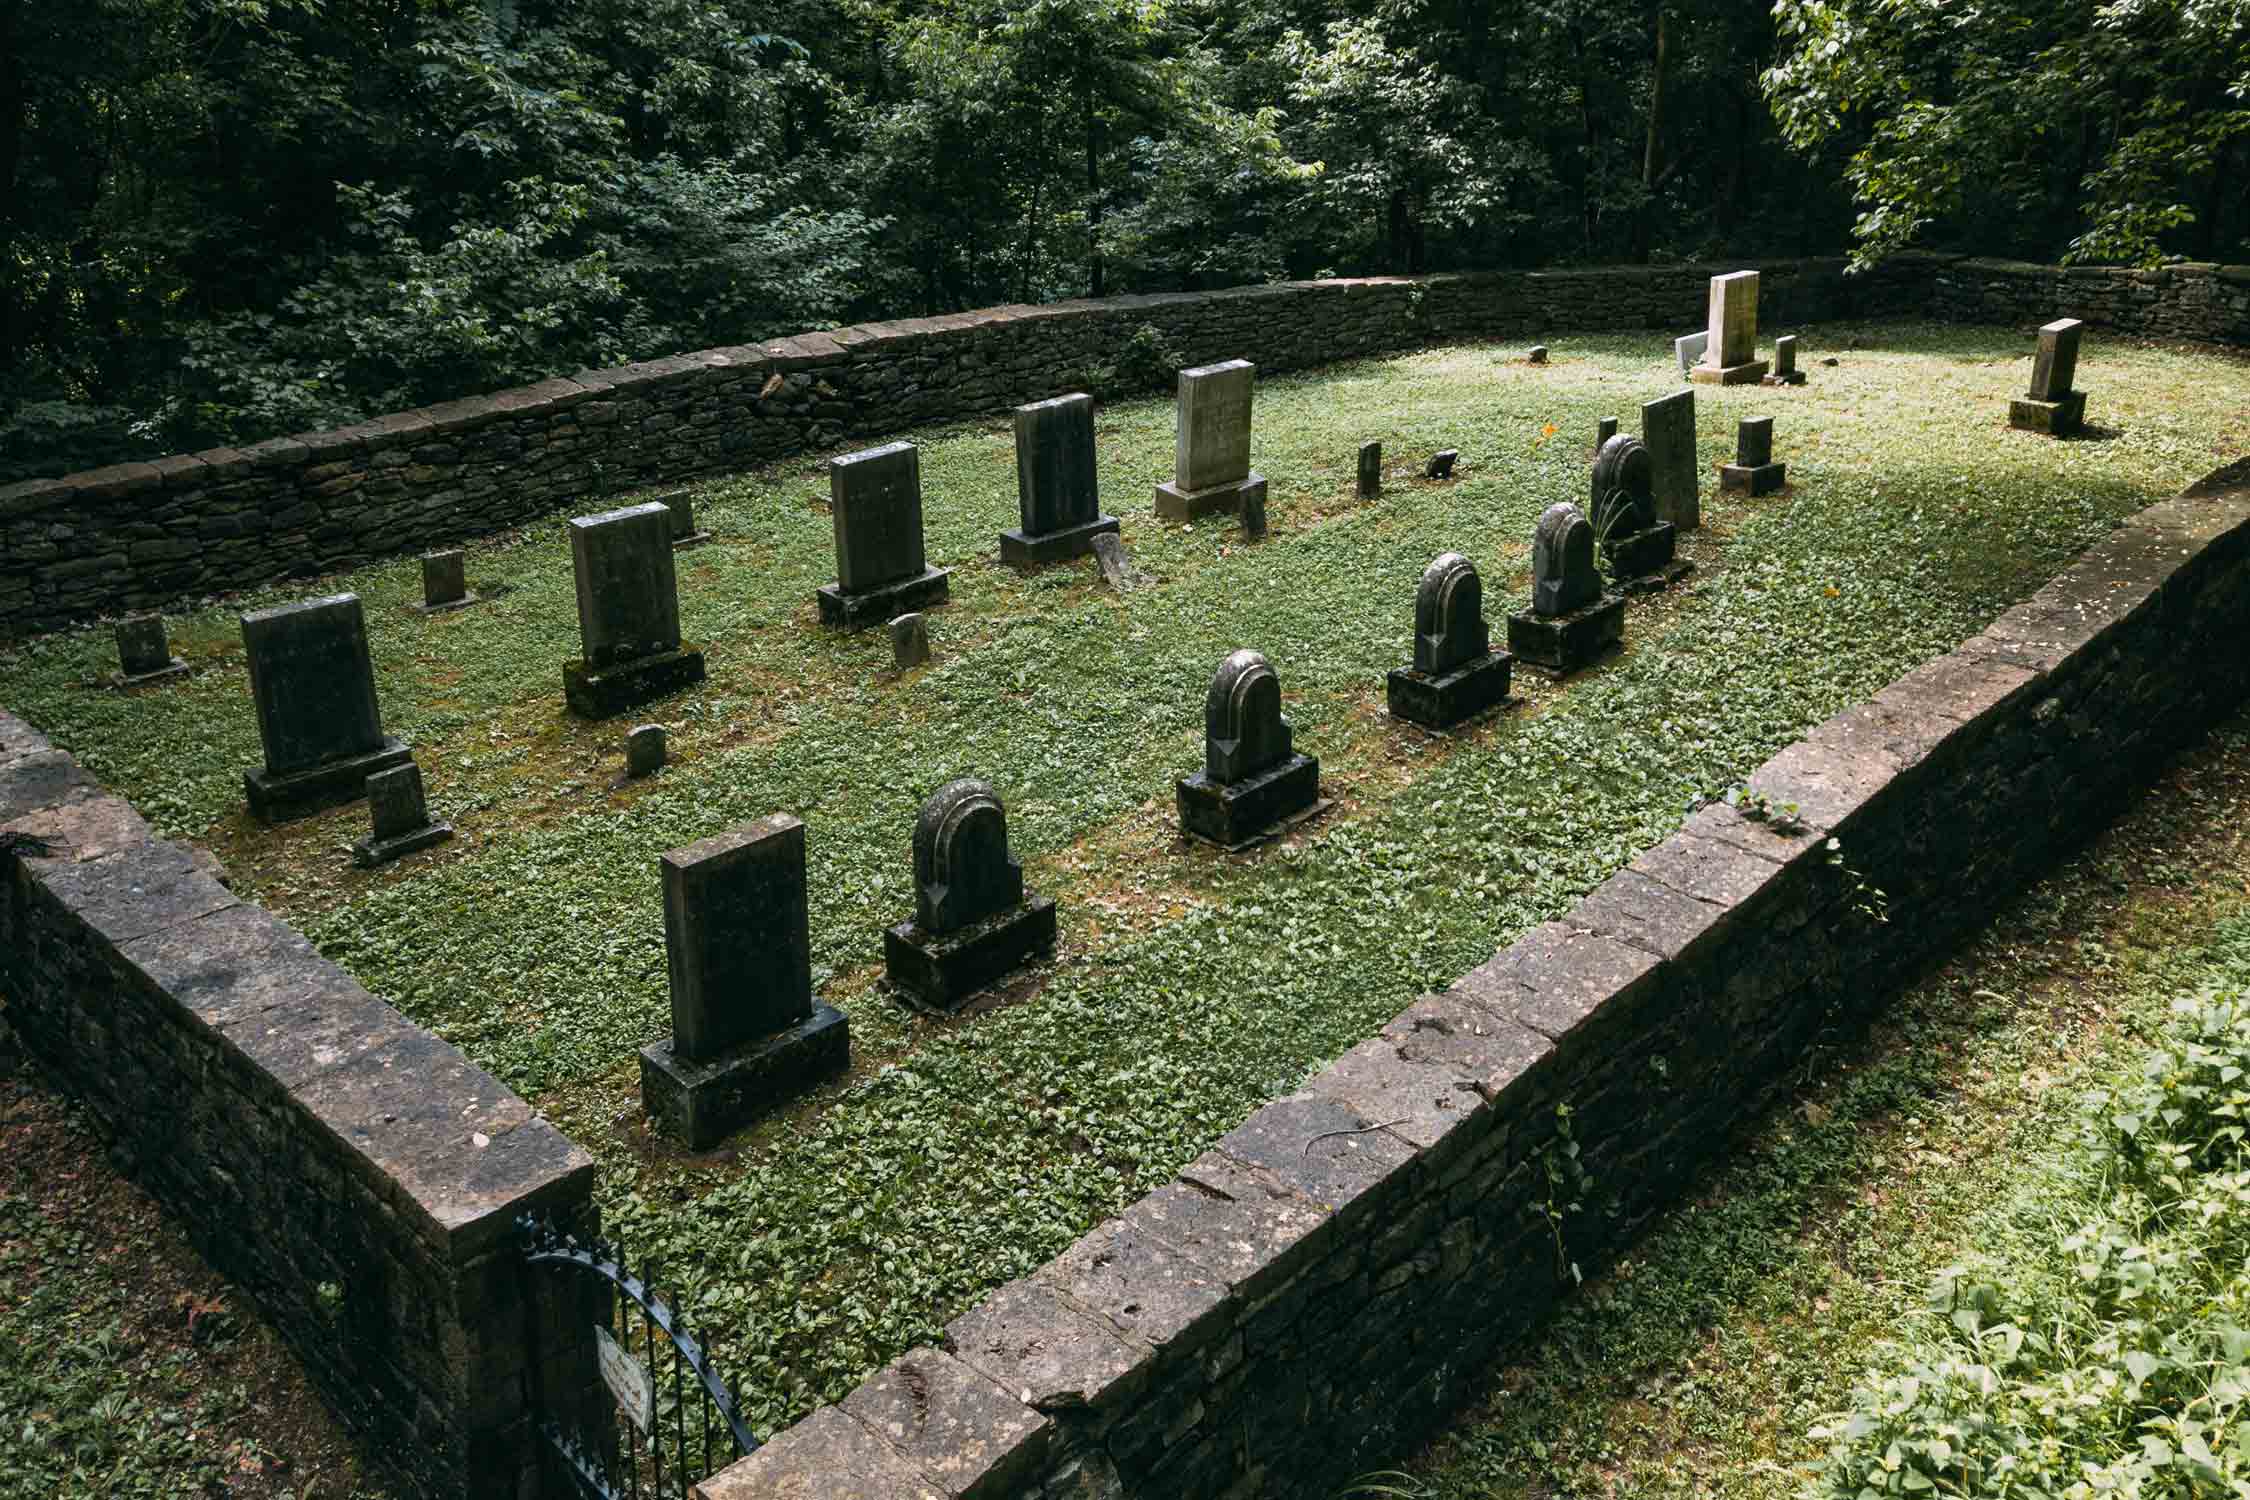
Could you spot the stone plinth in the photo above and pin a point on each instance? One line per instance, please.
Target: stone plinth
(1236, 815)
(943, 970)
(2058, 418)
(886, 602)
(1176, 504)
(314, 685)
(702, 1102)
(1446, 699)
(1566, 642)
(1648, 554)
(602, 693)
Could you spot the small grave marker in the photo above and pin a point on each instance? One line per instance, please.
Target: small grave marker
(1370, 470)
(1252, 779)
(1753, 468)
(445, 583)
(1785, 371)
(401, 816)
(144, 652)
(646, 751)
(910, 642)
(1571, 620)
(973, 922)
(2051, 406)
(1456, 674)
(1441, 464)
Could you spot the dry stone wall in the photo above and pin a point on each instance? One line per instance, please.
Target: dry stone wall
(358, 1176)
(1316, 1292)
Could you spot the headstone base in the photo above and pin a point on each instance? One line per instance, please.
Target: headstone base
(1023, 549)
(702, 1103)
(692, 539)
(1745, 374)
(612, 690)
(2057, 418)
(1176, 504)
(1236, 815)
(1791, 377)
(332, 783)
(1461, 694)
(448, 606)
(371, 852)
(1758, 479)
(176, 668)
(940, 972)
(1658, 581)
(880, 606)
(1564, 643)
(1643, 553)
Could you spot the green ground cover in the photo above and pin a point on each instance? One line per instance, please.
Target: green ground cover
(1189, 987)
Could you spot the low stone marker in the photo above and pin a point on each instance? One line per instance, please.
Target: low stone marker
(1639, 549)
(1441, 464)
(401, 815)
(1753, 468)
(681, 504)
(1785, 371)
(1456, 674)
(628, 613)
(1668, 427)
(973, 922)
(1604, 430)
(1538, 354)
(1116, 563)
(2051, 406)
(646, 751)
(317, 717)
(1211, 442)
(1687, 350)
(1731, 355)
(144, 653)
(1252, 780)
(1058, 494)
(881, 570)
(1571, 620)
(910, 642)
(1370, 470)
(747, 1033)
(445, 583)
(1253, 514)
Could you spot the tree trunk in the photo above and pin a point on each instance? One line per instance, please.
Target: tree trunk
(1395, 261)
(1094, 268)
(1648, 154)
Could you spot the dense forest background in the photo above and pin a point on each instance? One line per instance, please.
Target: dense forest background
(227, 219)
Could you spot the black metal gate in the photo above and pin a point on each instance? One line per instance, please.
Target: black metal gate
(634, 1433)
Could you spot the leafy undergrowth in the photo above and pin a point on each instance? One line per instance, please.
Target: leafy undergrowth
(1188, 987)
(1733, 1350)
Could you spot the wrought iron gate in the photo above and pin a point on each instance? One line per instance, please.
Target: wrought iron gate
(632, 1437)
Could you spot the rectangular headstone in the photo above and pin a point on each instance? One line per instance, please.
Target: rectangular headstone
(1785, 355)
(1211, 444)
(396, 802)
(2057, 364)
(1668, 427)
(1604, 430)
(737, 936)
(313, 682)
(1688, 350)
(1055, 481)
(141, 646)
(1370, 470)
(1753, 441)
(445, 577)
(628, 594)
(876, 496)
(1734, 319)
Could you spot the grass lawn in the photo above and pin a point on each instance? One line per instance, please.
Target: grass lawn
(1189, 986)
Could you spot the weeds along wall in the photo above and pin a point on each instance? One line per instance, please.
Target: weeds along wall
(146, 535)
(1318, 1291)
(358, 1176)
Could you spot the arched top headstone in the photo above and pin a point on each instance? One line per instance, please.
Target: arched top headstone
(1243, 730)
(1449, 626)
(1623, 498)
(1562, 562)
(963, 871)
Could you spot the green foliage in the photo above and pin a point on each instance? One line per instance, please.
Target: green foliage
(1145, 362)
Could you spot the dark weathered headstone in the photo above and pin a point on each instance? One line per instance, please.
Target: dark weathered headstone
(972, 920)
(1253, 514)
(401, 817)
(1730, 357)
(144, 654)
(1441, 464)
(445, 579)
(1211, 441)
(1116, 564)
(1538, 354)
(681, 503)
(910, 642)
(1058, 495)
(1785, 371)
(646, 751)
(2052, 405)
(875, 496)
(628, 612)
(1456, 674)
(1604, 430)
(1370, 470)
(1668, 427)
(1753, 468)
(1571, 620)
(1252, 777)
(746, 1030)
(1621, 506)
(314, 686)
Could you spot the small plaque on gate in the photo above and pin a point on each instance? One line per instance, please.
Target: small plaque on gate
(627, 1378)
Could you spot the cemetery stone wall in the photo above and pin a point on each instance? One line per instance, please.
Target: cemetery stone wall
(358, 1176)
(2192, 302)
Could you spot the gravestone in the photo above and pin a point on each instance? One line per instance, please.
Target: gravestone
(1571, 620)
(1253, 515)
(1621, 507)
(1456, 674)
(1604, 430)
(972, 922)
(1057, 494)
(2051, 405)
(144, 654)
(628, 613)
(1252, 779)
(445, 583)
(684, 533)
(1538, 354)
(1370, 470)
(401, 816)
(646, 751)
(1211, 442)
(317, 717)
(910, 642)
(1730, 356)
(1116, 563)
(747, 1033)
(1687, 350)
(1785, 371)
(1441, 464)
(1668, 427)
(881, 572)
(1753, 468)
